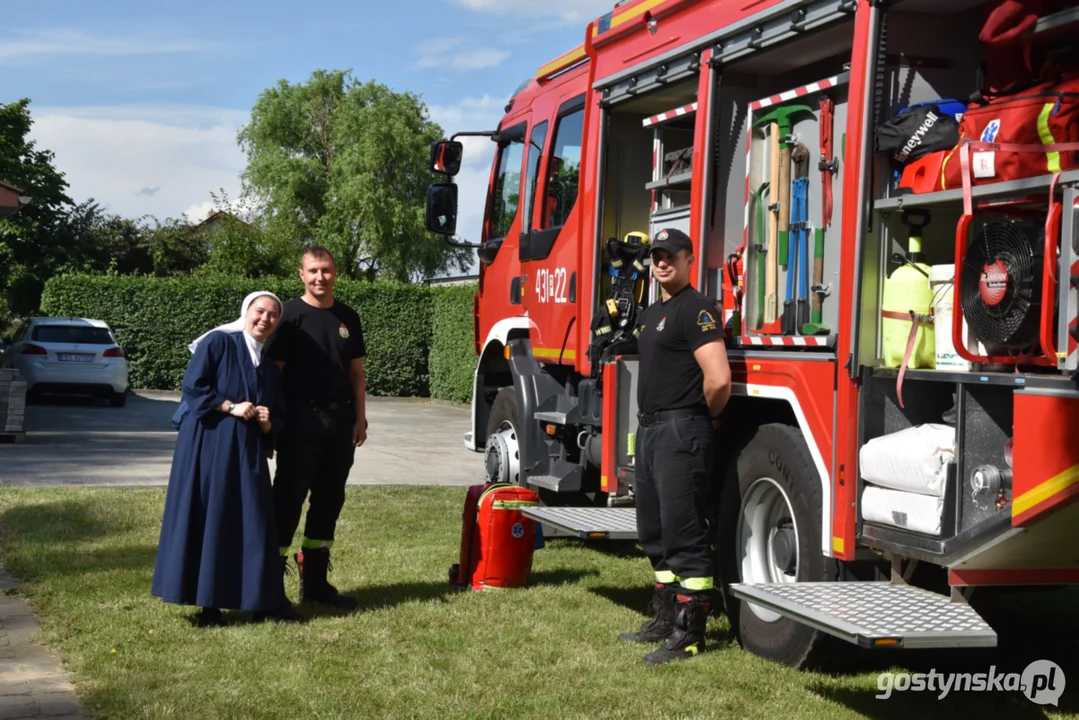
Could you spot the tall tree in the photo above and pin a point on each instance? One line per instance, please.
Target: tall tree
(31, 241)
(343, 163)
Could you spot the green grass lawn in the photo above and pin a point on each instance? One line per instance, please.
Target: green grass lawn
(415, 647)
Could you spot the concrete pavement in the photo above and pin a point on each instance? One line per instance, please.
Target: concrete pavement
(72, 441)
(32, 682)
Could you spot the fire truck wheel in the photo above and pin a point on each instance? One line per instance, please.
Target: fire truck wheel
(769, 526)
(502, 454)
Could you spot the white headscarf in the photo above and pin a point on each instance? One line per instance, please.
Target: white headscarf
(240, 325)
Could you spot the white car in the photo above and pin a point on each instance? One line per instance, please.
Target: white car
(68, 356)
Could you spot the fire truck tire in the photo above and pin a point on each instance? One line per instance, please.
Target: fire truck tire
(503, 409)
(503, 415)
(771, 475)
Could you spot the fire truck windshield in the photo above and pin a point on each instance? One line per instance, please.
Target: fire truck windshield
(506, 193)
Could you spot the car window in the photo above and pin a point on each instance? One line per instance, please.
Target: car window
(536, 144)
(507, 188)
(72, 334)
(563, 171)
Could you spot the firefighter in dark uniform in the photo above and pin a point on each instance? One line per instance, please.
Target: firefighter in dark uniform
(320, 346)
(684, 385)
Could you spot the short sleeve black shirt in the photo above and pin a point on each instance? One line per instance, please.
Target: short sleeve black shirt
(317, 346)
(670, 376)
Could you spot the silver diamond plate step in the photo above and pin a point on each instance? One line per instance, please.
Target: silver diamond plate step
(588, 523)
(875, 614)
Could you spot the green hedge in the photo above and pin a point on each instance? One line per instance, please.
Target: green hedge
(453, 353)
(155, 318)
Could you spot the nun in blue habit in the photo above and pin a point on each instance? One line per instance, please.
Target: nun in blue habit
(218, 546)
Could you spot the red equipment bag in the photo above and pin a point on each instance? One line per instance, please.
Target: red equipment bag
(1027, 134)
(497, 540)
(1011, 53)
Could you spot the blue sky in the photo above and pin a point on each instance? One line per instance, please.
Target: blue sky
(141, 104)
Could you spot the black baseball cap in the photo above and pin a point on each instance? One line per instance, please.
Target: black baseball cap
(671, 240)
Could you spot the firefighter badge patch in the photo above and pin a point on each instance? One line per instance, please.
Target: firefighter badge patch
(705, 321)
(662, 236)
(343, 331)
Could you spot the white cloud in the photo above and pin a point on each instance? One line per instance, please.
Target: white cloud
(568, 11)
(136, 161)
(201, 211)
(458, 54)
(471, 114)
(23, 46)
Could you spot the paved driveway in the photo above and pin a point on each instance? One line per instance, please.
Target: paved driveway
(84, 442)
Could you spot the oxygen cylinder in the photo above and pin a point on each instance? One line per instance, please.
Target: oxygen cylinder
(908, 289)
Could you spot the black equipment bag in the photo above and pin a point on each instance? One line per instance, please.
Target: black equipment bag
(917, 132)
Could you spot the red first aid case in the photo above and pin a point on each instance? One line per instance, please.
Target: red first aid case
(497, 540)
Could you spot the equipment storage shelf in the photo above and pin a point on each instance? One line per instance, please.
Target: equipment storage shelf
(1056, 382)
(976, 417)
(672, 157)
(1028, 324)
(1059, 22)
(1034, 185)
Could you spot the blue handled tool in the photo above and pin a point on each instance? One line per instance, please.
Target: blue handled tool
(795, 309)
(800, 229)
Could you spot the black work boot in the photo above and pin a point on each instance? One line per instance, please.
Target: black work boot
(314, 563)
(662, 625)
(690, 617)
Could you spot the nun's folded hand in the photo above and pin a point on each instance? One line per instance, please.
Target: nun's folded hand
(244, 411)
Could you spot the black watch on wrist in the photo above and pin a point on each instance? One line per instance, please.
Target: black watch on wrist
(231, 407)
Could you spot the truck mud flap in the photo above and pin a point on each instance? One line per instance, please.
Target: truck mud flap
(874, 614)
(587, 523)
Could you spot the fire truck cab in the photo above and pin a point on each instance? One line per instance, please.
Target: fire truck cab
(903, 344)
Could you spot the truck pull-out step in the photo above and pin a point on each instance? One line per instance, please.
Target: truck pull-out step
(618, 523)
(875, 614)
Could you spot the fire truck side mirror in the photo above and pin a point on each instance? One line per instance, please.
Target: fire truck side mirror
(446, 157)
(442, 208)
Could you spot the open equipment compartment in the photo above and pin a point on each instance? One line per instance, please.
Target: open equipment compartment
(930, 60)
(793, 224)
(953, 376)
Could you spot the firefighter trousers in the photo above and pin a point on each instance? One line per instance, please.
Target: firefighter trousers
(675, 495)
(310, 464)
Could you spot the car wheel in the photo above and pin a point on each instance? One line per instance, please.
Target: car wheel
(118, 399)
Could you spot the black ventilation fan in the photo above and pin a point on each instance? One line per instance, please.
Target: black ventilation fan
(1002, 282)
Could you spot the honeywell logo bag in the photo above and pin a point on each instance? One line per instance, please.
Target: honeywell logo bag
(916, 133)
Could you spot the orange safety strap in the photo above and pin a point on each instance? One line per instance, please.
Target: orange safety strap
(915, 319)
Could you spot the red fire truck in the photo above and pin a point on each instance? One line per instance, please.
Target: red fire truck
(902, 338)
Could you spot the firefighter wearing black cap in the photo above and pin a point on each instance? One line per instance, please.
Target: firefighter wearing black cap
(684, 384)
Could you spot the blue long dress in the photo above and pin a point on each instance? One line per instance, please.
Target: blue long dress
(218, 544)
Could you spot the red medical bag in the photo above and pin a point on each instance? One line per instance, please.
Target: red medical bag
(1034, 122)
(497, 540)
